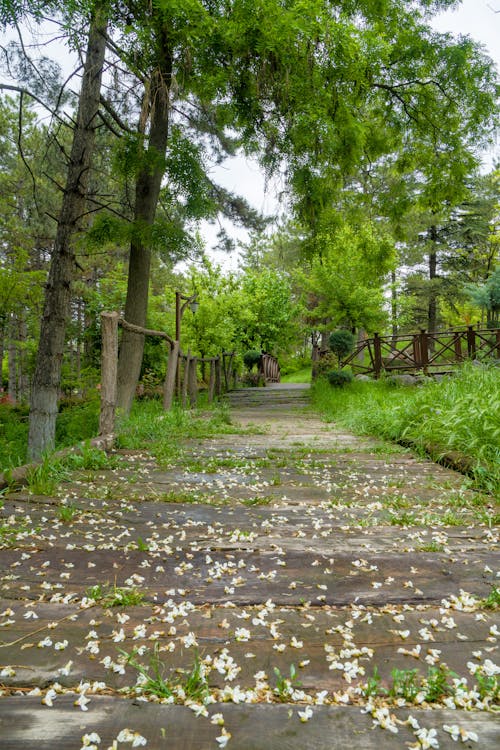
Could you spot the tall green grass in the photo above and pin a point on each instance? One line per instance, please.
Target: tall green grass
(459, 413)
(76, 421)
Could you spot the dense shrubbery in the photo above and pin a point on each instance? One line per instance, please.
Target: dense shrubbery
(459, 413)
(339, 378)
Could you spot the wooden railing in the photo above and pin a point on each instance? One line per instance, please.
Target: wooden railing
(181, 376)
(435, 352)
(270, 369)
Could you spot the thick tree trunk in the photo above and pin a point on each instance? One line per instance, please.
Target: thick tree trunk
(47, 377)
(146, 199)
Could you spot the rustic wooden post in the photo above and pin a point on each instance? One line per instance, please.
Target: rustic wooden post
(377, 352)
(185, 379)
(218, 376)
(170, 377)
(226, 371)
(457, 344)
(211, 381)
(424, 350)
(471, 342)
(192, 378)
(109, 369)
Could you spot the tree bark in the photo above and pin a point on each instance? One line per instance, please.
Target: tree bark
(432, 309)
(47, 376)
(147, 193)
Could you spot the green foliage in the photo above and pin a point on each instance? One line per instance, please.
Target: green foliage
(115, 596)
(492, 601)
(340, 378)
(252, 358)
(286, 685)
(487, 296)
(341, 342)
(460, 413)
(158, 681)
(44, 478)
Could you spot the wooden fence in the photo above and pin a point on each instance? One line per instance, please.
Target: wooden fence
(181, 377)
(437, 352)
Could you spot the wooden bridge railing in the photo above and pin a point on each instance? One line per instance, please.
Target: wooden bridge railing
(269, 369)
(429, 352)
(181, 375)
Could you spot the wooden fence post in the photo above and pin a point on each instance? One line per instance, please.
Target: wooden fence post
(377, 354)
(211, 381)
(457, 345)
(218, 376)
(171, 375)
(192, 378)
(471, 342)
(109, 369)
(185, 379)
(424, 350)
(225, 371)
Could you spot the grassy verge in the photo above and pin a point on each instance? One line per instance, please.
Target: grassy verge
(76, 421)
(161, 432)
(457, 414)
(300, 376)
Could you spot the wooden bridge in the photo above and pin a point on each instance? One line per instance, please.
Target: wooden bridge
(427, 352)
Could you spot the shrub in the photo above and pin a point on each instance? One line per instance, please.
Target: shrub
(341, 343)
(339, 378)
(251, 358)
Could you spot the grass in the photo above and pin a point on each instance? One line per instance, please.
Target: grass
(76, 421)
(161, 431)
(300, 376)
(115, 596)
(457, 414)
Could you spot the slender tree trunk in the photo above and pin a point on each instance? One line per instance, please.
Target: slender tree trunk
(47, 377)
(432, 309)
(146, 200)
(22, 369)
(3, 326)
(394, 305)
(12, 354)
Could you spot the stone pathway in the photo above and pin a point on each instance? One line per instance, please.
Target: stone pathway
(260, 592)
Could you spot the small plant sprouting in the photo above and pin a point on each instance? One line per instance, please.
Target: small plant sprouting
(115, 596)
(436, 685)
(492, 601)
(285, 685)
(155, 680)
(372, 686)
(67, 512)
(142, 546)
(405, 684)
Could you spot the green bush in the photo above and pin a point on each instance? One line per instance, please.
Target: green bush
(339, 378)
(251, 358)
(341, 343)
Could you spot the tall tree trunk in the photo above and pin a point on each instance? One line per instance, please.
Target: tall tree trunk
(47, 376)
(146, 199)
(432, 309)
(394, 306)
(22, 367)
(12, 354)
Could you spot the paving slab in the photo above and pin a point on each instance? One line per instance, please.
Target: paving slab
(320, 588)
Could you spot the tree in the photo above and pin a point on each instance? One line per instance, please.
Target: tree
(46, 380)
(487, 296)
